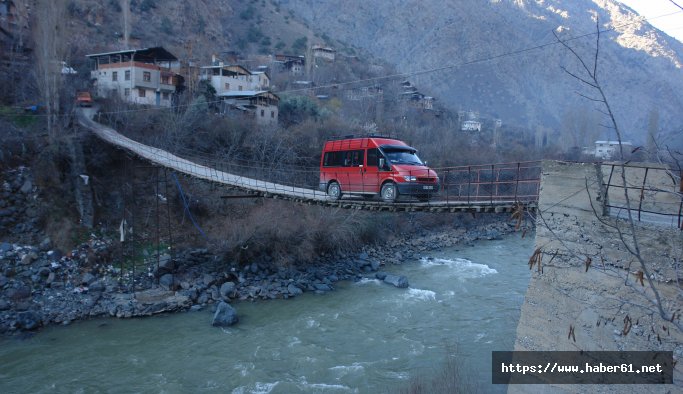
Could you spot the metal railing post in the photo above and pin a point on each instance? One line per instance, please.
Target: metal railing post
(492, 183)
(642, 193)
(517, 180)
(469, 183)
(445, 179)
(605, 200)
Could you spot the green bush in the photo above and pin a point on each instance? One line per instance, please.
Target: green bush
(300, 44)
(248, 13)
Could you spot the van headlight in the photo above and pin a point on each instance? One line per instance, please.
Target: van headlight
(409, 178)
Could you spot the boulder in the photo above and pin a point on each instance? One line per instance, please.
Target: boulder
(28, 258)
(54, 254)
(322, 287)
(27, 187)
(294, 290)
(166, 281)
(225, 315)
(399, 281)
(493, 235)
(166, 266)
(87, 279)
(97, 286)
(254, 268)
(45, 244)
(18, 293)
(5, 247)
(227, 289)
(28, 320)
(381, 275)
(374, 265)
(203, 298)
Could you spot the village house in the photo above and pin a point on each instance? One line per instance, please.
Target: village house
(234, 78)
(242, 92)
(293, 64)
(141, 76)
(606, 150)
(470, 125)
(322, 52)
(414, 98)
(261, 106)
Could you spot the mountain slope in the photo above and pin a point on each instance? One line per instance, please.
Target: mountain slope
(639, 67)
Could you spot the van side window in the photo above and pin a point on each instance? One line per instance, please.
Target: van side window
(348, 158)
(357, 158)
(333, 159)
(373, 157)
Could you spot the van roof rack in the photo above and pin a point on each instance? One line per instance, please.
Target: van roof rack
(368, 135)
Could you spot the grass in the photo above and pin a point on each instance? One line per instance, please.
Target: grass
(18, 117)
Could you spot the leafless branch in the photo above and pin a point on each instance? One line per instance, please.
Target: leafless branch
(629, 239)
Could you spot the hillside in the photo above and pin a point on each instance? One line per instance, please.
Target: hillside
(640, 66)
(191, 30)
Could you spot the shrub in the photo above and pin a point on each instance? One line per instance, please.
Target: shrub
(248, 13)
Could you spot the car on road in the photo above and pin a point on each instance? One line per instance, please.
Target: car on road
(84, 99)
(375, 166)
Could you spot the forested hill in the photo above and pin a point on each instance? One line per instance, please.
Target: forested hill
(640, 67)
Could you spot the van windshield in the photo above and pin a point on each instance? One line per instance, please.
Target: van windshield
(401, 156)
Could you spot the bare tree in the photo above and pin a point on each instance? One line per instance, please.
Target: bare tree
(125, 10)
(50, 47)
(588, 76)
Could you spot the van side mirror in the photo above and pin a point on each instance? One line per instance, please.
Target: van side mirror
(381, 162)
(425, 163)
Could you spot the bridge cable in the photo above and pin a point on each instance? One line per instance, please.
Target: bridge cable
(187, 206)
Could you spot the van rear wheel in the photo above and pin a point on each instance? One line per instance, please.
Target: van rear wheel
(389, 192)
(334, 191)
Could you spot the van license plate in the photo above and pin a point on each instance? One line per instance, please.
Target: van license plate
(427, 187)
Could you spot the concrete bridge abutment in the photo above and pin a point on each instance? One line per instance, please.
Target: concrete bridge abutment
(587, 293)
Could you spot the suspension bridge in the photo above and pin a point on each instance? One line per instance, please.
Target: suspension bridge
(495, 188)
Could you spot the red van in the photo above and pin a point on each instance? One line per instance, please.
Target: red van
(370, 166)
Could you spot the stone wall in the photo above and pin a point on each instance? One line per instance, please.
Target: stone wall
(603, 303)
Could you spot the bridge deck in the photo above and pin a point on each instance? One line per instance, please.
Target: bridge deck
(252, 186)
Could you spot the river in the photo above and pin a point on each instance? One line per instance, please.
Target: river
(364, 337)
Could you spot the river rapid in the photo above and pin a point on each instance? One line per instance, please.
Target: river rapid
(364, 337)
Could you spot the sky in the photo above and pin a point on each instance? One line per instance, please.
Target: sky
(671, 25)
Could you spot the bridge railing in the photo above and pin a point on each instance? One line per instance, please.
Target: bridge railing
(518, 181)
(654, 192)
(512, 182)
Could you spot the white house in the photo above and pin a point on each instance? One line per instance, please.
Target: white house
(470, 125)
(606, 150)
(140, 76)
(234, 78)
(322, 52)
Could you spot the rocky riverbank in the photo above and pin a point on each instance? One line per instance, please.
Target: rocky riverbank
(41, 286)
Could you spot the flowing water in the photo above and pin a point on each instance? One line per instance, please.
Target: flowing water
(365, 337)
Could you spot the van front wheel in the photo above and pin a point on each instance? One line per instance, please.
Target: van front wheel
(334, 191)
(389, 192)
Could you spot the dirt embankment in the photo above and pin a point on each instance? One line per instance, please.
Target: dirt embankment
(589, 292)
